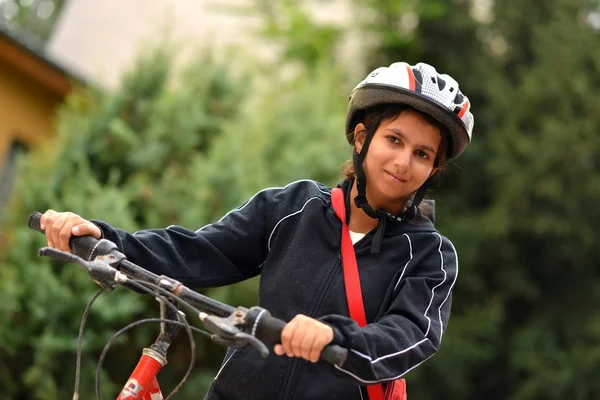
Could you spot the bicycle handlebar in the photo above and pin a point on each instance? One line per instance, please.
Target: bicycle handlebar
(82, 246)
(255, 322)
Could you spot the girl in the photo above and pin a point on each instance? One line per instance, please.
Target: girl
(404, 123)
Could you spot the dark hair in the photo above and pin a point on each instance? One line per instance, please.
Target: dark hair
(373, 117)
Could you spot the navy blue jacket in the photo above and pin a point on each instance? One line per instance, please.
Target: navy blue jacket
(291, 237)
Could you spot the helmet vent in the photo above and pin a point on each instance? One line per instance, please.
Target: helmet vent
(418, 75)
(441, 83)
(459, 98)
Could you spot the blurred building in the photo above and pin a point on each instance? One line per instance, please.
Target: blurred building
(45, 45)
(31, 88)
(101, 38)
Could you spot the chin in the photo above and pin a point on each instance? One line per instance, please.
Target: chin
(393, 196)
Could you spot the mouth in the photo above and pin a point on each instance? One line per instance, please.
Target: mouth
(396, 178)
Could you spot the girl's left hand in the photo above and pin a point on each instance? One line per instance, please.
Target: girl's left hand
(304, 337)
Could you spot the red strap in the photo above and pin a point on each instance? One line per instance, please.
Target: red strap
(349, 266)
(351, 277)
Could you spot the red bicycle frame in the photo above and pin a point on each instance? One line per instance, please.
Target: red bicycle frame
(142, 383)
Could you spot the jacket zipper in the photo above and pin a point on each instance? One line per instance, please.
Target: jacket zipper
(289, 379)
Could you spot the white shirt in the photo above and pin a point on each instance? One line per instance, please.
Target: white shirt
(355, 236)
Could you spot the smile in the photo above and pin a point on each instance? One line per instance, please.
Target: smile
(396, 178)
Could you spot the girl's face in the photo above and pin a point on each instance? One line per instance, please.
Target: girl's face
(400, 158)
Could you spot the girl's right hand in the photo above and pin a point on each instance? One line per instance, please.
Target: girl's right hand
(60, 226)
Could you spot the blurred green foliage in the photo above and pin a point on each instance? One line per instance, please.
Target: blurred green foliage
(184, 148)
(31, 21)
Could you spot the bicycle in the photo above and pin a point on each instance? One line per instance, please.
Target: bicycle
(229, 326)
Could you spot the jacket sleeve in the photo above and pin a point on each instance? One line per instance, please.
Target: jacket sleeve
(228, 251)
(411, 330)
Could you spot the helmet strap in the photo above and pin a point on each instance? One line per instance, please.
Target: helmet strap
(361, 179)
(412, 210)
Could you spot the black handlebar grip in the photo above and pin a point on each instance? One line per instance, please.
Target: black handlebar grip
(82, 246)
(269, 328)
(34, 221)
(334, 355)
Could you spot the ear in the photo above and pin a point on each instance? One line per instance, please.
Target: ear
(360, 134)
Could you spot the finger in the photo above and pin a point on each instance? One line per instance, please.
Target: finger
(324, 338)
(308, 342)
(86, 228)
(67, 231)
(298, 338)
(50, 223)
(286, 337)
(304, 325)
(49, 219)
(317, 348)
(44, 217)
(55, 229)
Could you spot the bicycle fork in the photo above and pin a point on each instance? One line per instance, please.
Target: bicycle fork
(142, 384)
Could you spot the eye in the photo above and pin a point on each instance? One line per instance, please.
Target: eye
(393, 139)
(422, 154)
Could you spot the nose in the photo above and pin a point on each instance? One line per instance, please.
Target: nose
(403, 159)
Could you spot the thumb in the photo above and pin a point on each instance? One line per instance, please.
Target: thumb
(278, 349)
(86, 229)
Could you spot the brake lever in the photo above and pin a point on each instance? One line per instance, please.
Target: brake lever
(241, 340)
(226, 333)
(100, 272)
(257, 344)
(63, 256)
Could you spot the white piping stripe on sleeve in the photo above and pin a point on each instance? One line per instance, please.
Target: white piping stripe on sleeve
(252, 198)
(408, 262)
(382, 380)
(389, 355)
(424, 314)
(427, 332)
(286, 217)
(451, 286)
(264, 190)
(435, 287)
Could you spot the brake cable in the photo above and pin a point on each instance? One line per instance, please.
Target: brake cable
(80, 342)
(145, 286)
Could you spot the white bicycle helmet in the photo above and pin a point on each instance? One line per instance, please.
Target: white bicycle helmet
(422, 88)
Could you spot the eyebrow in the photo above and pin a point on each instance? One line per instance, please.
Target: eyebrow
(403, 136)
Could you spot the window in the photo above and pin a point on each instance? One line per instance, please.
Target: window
(7, 174)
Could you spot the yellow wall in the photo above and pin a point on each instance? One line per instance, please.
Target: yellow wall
(26, 110)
